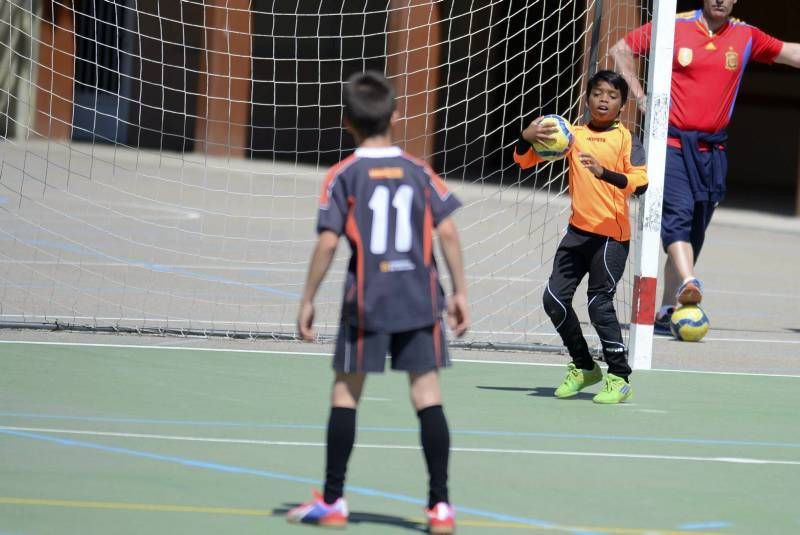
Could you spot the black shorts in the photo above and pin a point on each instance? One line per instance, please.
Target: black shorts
(418, 351)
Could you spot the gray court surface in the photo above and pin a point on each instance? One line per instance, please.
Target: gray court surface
(100, 236)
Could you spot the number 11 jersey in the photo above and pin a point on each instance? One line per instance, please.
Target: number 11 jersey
(387, 203)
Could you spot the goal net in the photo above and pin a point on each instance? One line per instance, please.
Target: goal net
(160, 163)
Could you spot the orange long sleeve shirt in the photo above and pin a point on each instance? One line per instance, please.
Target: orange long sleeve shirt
(597, 206)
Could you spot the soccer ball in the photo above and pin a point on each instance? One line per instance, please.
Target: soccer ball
(689, 323)
(558, 147)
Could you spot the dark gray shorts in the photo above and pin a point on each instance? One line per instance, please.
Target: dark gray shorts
(682, 217)
(419, 351)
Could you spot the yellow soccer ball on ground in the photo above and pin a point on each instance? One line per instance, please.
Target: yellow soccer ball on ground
(562, 141)
(689, 323)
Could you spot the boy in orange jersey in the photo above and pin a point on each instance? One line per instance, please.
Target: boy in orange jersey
(606, 166)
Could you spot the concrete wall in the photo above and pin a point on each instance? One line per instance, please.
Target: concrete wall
(479, 90)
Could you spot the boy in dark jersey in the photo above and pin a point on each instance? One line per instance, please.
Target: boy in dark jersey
(606, 166)
(388, 205)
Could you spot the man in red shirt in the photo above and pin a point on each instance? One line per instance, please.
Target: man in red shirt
(711, 52)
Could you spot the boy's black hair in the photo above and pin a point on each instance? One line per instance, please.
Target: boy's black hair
(614, 79)
(368, 103)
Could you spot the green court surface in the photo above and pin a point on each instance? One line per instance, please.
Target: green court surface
(123, 440)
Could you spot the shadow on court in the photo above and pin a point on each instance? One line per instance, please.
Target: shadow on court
(366, 518)
(538, 391)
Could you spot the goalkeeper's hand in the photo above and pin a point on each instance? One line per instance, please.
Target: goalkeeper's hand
(540, 132)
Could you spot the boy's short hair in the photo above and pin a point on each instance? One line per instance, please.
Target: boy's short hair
(368, 103)
(613, 78)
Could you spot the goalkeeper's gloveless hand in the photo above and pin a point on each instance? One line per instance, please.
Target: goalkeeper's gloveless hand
(540, 132)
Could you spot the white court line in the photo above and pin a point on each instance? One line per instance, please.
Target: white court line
(337, 271)
(646, 456)
(134, 346)
(244, 267)
(308, 354)
(511, 362)
(751, 340)
(709, 372)
(220, 267)
(757, 294)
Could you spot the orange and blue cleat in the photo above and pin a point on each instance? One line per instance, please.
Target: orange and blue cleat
(320, 513)
(690, 292)
(441, 519)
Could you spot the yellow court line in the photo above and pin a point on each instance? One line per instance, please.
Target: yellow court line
(120, 506)
(165, 508)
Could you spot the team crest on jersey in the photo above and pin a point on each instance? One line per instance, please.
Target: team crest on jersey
(731, 60)
(685, 56)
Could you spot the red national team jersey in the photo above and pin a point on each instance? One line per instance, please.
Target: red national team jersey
(707, 67)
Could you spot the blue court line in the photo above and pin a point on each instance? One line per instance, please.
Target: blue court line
(160, 268)
(702, 526)
(364, 491)
(455, 431)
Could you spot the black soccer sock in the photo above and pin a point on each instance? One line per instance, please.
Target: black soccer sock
(341, 436)
(435, 438)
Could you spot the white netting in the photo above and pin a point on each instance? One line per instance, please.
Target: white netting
(161, 161)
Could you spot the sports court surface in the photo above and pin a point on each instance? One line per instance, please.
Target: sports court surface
(103, 438)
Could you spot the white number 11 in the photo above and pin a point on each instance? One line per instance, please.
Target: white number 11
(379, 204)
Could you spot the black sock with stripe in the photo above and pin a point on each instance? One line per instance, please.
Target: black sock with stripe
(435, 438)
(341, 437)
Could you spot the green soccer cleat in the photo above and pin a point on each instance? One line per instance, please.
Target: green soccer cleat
(615, 390)
(578, 379)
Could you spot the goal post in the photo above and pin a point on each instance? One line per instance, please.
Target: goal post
(648, 242)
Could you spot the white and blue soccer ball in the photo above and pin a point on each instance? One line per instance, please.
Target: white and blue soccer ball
(562, 141)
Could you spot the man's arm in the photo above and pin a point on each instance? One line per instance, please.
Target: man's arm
(627, 66)
(320, 262)
(457, 312)
(789, 55)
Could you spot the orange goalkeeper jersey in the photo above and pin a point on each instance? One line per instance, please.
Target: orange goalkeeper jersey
(597, 206)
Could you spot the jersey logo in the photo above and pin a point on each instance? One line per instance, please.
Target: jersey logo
(377, 173)
(389, 266)
(685, 56)
(711, 46)
(731, 60)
